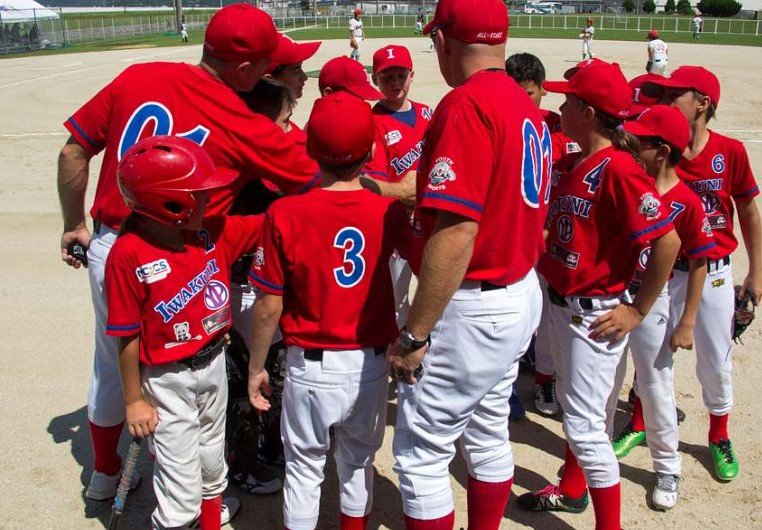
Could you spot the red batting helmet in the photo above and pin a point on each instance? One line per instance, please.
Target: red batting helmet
(158, 175)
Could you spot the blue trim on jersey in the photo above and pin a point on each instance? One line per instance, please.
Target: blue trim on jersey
(636, 235)
(127, 327)
(307, 187)
(376, 174)
(457, 200)
(83, 133)
(752, 191)
(701, 249)
(273, 286)
(407, 117)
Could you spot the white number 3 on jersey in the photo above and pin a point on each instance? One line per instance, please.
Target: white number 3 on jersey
(352, 241)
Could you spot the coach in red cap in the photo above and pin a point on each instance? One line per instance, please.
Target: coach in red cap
(480, 210)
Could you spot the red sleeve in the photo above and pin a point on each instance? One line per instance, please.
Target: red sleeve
(124, 295)
(398, 226)
(696, 237)
(743, 185)
(267, 269)
(89, 124)
(240, 233)
(460, 156)
(378, 166)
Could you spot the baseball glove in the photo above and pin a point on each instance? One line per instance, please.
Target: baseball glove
(649, 65)
(744, 314)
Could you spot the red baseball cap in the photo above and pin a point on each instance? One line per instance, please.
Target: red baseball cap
(601, 85)
(688, 77)
(290, 52)
(475, 21)
(358, 11)
(391, 56)
(240, 32)
(582, 64)
(653, 34)
(348, 74)
(662, 121)
(640, 101)
(340, 130)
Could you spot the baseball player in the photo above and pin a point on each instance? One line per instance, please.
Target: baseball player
(482, 181)
(717, 169)
(587, 35)
(419, 24)
(167, 282)
(198, 102)
(184, 31)
(658, 62)
(603, 208)
(322, 267)
(698, 24)
(663, 135)
(356, 34)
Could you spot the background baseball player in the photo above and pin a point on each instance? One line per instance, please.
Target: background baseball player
(478, 301)
(697, 24)
(587, 35)
(658, 62)
(184, 31)
(717, 169)
(356, 34)
(323, 266)
(167, 281)
(603, 207)
(194, 101)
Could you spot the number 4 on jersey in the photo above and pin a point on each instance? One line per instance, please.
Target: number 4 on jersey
(352, 241)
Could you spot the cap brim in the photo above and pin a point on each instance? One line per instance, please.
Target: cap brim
(636, 110)
(430, 26)
(655, 89)
(559, 87)
(220, 179)
(297, 53)
(365, 92)
(388, 65)
(637, 129)
(571, 71)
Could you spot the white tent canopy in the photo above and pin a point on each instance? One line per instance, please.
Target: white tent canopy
(24, 11)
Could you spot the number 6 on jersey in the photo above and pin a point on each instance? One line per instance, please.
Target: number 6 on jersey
(352, 241)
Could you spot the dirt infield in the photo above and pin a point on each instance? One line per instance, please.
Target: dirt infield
(47, 321)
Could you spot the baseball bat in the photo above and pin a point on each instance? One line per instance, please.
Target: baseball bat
(124, 483)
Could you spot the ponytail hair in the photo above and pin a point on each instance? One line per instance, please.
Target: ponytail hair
(621, 139)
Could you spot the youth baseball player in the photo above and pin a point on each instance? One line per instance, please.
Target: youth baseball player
(184, 31)
(481, 202)
(587, 35)
(697, 24)
(658, 62)
(603, 208)
(167, 283)
(717, 169)
(356, 34)
(198, 102)
(323, 269)
(663, 135)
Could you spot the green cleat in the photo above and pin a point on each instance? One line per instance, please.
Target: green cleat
(627, 441)
(725, 462)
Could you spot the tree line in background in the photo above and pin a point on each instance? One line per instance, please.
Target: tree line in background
(712, 8)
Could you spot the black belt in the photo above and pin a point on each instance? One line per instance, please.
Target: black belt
(487, 286)
(206, 355)
(633, 289)
(560, 301)
(316, 354)
(712, 264)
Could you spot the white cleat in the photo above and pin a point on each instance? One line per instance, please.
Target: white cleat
(103, 487)
(545, 400)
(667, 491)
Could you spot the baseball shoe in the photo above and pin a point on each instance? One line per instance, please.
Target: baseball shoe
(725, 462)
(627, 441)
(666, 492)
(103, 487)
(262, 482)
(545, 398)
(230, 508)
(680, 415)
(517, 410)
(550, 499)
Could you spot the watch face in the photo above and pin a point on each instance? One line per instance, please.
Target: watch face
(406, 340)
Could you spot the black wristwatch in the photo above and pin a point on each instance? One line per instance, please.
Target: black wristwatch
(409, 342)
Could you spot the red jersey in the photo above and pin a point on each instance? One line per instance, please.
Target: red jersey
(692, 226)
(562, 144)
(297, 135)
(184, 100)
(177, 301)
(720, 172)
(398, 143)
(327, 253)
(489, 162)
(601, 214)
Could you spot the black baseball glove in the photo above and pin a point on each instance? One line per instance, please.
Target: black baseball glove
(744, 314)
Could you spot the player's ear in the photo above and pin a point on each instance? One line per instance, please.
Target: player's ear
(373, 78)
(412, 75)
(543, 92)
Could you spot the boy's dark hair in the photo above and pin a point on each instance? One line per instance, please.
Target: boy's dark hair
(268, 97)
(344, 172)
(523, 67)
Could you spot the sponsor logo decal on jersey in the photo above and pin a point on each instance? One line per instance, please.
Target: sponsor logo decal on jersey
(404, 163)
(168, 309)
(392, 137)
(154, 271)
(706, 227)
(565, 228)
(182, 331)
(649, 206)
(216, 295)
(718, 163)
(441, 173)
(566, 257)
(572, 147)
(711, 202)
(216, 321)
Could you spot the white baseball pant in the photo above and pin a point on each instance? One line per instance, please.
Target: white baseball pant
(189, 441)
(713, 335)
(346, 390)
(463, 392)
(587, 45)
(545, 342)
(401, 276)
(242, 298)
(105, 403)
(659, 66)
(585, 374)
(355, 54)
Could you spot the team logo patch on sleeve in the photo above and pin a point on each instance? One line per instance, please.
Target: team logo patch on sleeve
(649, 206)
(259, 257)
(154, 271)
(392, 137)
(573, 147)
(441, 173)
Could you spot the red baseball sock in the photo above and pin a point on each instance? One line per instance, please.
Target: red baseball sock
(105, 441)
(718, 428)
(486, 503)
(638, 424)
(541, 379)
(573, 483)
(353, 523)
(211, 513)
(607, 503)
(443, 523)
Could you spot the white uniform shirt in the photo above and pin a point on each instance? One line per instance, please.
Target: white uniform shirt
(355, 26)
(590, 30)
(658, 49)
(697, 23)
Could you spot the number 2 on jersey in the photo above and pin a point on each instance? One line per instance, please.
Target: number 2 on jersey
(535, 164)
(352, 241)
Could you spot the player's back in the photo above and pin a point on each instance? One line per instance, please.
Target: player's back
(334, 249)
